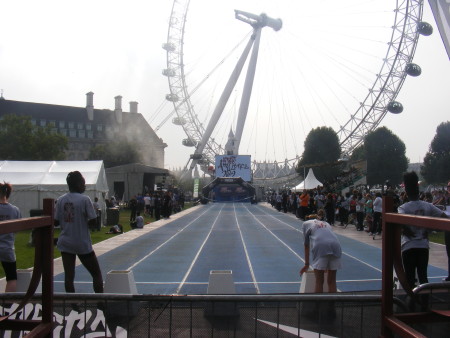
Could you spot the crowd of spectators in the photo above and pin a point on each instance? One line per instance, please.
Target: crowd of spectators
(360, 207)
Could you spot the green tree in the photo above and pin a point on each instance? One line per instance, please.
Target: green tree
(321, 152)
(436, 164)
(386, 159)
(115, 153)
(358, 154)
(23, 141)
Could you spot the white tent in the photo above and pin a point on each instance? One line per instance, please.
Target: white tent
(33, 181)
(310, 182)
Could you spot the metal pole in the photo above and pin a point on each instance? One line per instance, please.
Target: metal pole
(248, 86)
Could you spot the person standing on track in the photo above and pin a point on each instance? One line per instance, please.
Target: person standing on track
(74, 212)
(322, 250)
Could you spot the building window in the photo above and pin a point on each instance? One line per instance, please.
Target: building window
(88, 126)
(63, 132)
(52, 122)
(90, 134)
(71, 125)
(33, 122)
(80, 126)
(72, 133)
(81, 134)
(99, 127)
(42, 123)
(62, 124)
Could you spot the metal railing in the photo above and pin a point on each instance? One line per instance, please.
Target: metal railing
(402, 324)
(113, 315)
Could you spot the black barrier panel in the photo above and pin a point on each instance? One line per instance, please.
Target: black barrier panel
(216, 316)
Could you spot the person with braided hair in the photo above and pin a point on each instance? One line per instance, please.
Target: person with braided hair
(7, 254)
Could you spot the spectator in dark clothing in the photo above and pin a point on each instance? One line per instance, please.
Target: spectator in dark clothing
(132, 204)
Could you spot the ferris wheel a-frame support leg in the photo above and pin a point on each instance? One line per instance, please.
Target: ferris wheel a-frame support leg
(257, 22)
(248, 86)
(221, 104)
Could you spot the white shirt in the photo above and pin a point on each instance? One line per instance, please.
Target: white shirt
(73, 211)
(378, 204)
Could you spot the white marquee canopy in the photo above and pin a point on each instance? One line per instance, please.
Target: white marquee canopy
(33, 181)
(310, 182)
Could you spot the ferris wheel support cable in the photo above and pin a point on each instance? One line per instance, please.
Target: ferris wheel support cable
(221, 104)
(383, 88)
(207, 76)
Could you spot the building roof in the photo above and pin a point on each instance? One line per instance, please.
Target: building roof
(79, 114)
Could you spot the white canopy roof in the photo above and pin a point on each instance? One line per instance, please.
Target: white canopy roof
(310, 182)
(33, 181)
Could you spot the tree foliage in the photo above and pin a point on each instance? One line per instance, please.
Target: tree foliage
(115, 153)
(436, 164)
(358, 154)
(321, 152)
(386, 159)
(23, 141)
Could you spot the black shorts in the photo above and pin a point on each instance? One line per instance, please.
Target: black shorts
(10, 270)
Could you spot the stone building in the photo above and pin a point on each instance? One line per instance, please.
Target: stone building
(86, 127)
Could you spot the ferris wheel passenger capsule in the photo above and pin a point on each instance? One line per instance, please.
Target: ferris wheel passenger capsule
(187, 142)
(424, 28)
(413, 69)
(179, 121)
(172, 97)
(169, 46)
(395, 107)
(168, 72)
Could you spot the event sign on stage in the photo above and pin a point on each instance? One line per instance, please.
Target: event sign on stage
(234, 166)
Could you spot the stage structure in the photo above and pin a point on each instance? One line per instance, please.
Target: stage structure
(229, 189)
(233, 180)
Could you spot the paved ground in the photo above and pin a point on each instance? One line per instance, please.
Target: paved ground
(261, 246)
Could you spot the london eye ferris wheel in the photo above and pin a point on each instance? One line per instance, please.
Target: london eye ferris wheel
(339, 64)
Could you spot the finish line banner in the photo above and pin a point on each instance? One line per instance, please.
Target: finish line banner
(441, 13)
(234, 166)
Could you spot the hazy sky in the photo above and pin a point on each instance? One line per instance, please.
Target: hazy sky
(56, 51)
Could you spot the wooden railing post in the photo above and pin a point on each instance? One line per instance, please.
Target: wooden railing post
(387, 267)
(47, 264)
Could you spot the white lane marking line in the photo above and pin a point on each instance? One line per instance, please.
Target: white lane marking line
(250, 266)
(164, 243)
(279, 220)
(358, 260)
(345, 253)
(294, 330)
(198, 253)
(246, 283)
(287, 246)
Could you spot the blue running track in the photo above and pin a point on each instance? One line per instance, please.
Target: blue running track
(262, 247)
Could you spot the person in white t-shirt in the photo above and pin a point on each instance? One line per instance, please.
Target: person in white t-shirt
(75, 213)
(322, 250)
(414, 241)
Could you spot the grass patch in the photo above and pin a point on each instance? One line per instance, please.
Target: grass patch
(25, 252)
(436, 237)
